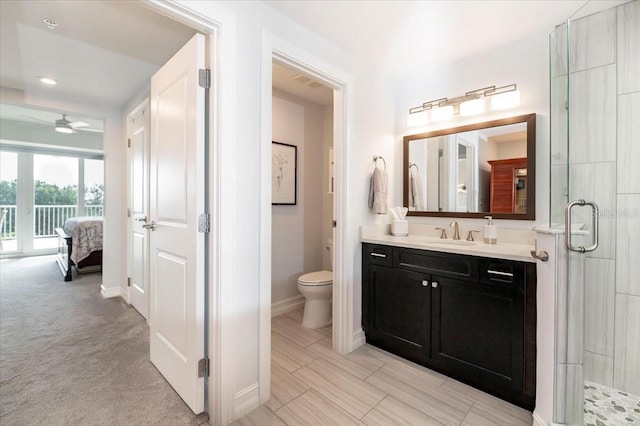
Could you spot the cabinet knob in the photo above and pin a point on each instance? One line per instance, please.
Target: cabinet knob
(425, 283)
(434, 284)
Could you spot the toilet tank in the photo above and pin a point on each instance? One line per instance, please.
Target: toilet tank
(329, 247)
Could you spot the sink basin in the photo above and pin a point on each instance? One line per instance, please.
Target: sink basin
(451, 242)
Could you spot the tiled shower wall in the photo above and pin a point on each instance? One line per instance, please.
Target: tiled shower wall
(604, 158)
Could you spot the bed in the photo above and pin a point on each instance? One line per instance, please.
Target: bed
(79, 246)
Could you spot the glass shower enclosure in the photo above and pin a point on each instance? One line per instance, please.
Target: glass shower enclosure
(595, 198)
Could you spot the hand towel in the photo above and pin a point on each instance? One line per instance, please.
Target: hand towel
(378, 191)
(415, 192)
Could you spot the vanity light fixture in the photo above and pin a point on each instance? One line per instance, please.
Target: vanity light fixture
(442, 113)
(472, 107)
(417, 119)
(470, 103)
(505, 100)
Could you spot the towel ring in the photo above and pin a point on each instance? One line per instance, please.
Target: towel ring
(379, 157)
(414, 165)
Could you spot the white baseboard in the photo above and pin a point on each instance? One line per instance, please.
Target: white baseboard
(108, 292)
(539, 421)
(287, 305)
(358, 339)
(246, 401)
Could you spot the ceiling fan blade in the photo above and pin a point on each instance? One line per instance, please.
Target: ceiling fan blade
(37, 119)
(78, 124)
(87, 129)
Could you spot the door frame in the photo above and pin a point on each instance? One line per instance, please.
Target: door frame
(141, 105)
(283, 52)
(219, 298)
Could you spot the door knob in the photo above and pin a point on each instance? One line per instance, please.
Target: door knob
(151, 225)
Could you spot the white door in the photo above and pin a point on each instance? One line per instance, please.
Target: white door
(138, 131)
(177, 188)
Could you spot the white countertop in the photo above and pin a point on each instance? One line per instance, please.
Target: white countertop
(510, 251)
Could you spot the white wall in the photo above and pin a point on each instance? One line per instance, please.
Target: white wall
(370, 131)
(515, 149)
(113, 254)
(296, 235)
(525, 63)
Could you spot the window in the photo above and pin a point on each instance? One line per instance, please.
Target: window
(8, 207)
(41, 191)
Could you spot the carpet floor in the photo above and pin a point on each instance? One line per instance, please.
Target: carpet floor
(70, 357)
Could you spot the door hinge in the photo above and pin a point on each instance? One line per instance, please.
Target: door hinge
(334, 223)
(203, 367)
(129, 143)
(128, 212)
(128, 281)
(204, 78)
(204, 224)
(440, 153)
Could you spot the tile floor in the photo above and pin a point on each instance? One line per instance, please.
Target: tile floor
(604, 406)
(312, 385)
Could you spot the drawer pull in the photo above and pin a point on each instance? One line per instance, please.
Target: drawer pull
(378, 255)
(425, 283)
(434, 284)
(504, 274)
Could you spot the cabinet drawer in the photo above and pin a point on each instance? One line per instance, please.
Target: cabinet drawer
(502, 272)
(376, 254)
(442, 264)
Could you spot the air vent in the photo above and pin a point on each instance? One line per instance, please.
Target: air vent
(306, 81)
(301, 78)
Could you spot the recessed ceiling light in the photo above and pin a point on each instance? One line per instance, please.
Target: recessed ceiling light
(48, 81)
(51, 24)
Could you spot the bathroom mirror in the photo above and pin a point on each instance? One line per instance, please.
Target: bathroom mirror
(472, 171)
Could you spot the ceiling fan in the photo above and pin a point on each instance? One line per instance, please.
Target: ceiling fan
(63, 125)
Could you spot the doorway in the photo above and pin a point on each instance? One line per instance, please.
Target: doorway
(302, 232)
(40, 188)
(343, 337)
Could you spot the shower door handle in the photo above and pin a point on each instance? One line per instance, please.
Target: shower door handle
(595, 218)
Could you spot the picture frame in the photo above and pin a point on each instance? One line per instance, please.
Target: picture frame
(284, 174)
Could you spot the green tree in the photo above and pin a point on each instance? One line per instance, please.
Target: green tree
(8, 192)
(51, 194)
(94, 196)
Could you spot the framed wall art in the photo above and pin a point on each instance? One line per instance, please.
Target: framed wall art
(284, 165)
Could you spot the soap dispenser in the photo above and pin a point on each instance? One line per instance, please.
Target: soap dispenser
(490, 232)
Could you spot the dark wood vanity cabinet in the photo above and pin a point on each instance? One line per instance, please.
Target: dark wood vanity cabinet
(469, 317)
(400, 317)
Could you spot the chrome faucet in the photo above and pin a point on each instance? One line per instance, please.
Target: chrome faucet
(456, 230)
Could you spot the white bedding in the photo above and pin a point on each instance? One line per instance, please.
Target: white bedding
(86, 234)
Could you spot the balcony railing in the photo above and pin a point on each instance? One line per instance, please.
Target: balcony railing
(46, 218)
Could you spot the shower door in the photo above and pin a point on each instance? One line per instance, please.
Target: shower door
(595, 162)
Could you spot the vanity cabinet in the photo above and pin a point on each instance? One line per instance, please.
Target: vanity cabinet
(472, 318)
(399, 318)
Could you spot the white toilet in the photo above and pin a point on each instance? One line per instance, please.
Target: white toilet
(317, 289)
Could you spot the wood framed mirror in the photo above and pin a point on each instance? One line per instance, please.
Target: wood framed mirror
(473, 171)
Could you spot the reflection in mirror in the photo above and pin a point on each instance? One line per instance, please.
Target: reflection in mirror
(472, 170)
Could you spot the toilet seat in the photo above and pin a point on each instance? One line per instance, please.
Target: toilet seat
(316, 279)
